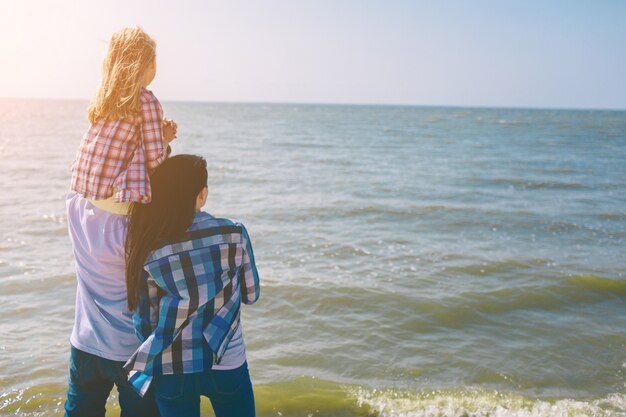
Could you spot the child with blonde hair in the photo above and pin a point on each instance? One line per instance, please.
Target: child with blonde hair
(126, 140)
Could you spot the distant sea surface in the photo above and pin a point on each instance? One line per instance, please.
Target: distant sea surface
(414, 261)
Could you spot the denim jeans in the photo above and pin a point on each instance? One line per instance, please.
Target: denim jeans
(90, 382)
(230, 392)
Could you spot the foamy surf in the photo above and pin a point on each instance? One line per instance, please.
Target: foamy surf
(483, 403)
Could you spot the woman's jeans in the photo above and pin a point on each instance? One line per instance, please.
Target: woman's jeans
(90, 382)
(230, 392)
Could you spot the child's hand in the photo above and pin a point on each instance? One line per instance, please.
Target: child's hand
(169, 130)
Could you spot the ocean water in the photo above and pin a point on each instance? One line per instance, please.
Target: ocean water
(414, 261)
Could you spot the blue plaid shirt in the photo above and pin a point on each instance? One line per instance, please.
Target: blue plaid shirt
(189, 309)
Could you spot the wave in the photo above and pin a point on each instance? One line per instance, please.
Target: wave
(512, 122)
(380, 210)
(399, 132)
(566, 226)
(475, 307)
(411, 312)
(19, 284)
(483, 403)
(486, 268)
(612, 216)
(539, 184)
(598, 284)
(563, 170)
(310, 396)
(389, 213)
(414, 210)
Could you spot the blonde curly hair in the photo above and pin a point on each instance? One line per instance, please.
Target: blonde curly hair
(131, 52)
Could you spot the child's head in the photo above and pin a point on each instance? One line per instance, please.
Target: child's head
(130, 64)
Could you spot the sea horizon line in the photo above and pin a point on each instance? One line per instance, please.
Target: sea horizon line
(345, 104)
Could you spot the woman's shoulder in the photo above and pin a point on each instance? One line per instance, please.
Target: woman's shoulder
(206, 231)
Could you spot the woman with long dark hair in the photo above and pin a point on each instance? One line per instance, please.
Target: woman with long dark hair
(187, 273)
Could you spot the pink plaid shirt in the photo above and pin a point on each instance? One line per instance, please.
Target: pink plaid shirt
(121, 154)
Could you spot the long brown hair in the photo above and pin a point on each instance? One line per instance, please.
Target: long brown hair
(131, 52)
(175, 186)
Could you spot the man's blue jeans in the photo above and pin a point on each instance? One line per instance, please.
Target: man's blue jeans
(230, 392)
(90, 382)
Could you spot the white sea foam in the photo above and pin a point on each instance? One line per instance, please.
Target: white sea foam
(482, 403)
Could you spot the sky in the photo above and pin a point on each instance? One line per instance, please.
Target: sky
(548, 53)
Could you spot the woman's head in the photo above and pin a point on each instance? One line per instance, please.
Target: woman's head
(175, 186)
(130, 64)
(179, 189)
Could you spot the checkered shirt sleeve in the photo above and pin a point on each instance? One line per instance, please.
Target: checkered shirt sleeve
(248, 275)
(152, 128)
(133, 184)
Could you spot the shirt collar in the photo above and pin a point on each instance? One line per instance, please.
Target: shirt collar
(198, 218)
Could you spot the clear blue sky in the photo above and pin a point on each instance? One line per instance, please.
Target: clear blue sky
(559, 53)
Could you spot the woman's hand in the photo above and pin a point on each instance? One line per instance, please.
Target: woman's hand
(169, 130)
